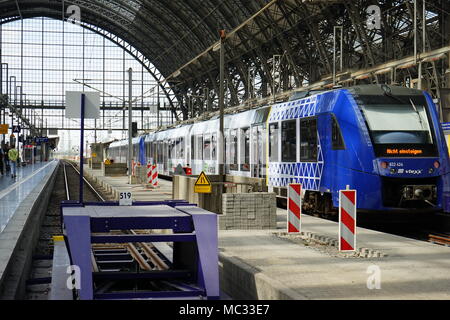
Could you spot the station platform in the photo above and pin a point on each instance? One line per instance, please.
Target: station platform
(271, 267)
(23, 201)
(267, 264)
(13, 191)
(114, 185)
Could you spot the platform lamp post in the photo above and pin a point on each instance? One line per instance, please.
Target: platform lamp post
(7, 92)
(158, 106)
(130, 122)
(19, 119)
(82, 114)
(14, 103)
(334, 51)
(24, 114)
(15, 93)
(221, 150)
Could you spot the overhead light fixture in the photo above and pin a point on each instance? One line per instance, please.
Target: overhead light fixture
(216, 47)
(176, 73)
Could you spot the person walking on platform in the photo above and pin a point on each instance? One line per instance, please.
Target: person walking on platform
(6, 159)
(13, 154)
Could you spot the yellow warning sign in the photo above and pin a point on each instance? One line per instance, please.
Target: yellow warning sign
(202, 185)
(4, 128)
(107, 162)
(94, 155)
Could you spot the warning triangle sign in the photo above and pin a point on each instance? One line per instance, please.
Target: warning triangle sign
(202, 185)
(202, 180)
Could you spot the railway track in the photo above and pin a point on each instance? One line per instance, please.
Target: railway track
(73, 193)
(127, 255)
(442, 239)
(65, 188)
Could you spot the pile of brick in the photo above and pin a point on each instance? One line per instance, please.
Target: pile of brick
(248, 211)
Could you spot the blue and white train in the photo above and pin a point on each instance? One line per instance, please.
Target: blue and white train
(384, 141)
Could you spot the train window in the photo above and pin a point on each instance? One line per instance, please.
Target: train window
(289, 141)
(160, 152)
(245, 149)
(175, 149)
(154, 152)
(199, 154)
(214, 147)
(233, 150)
(207, 148)
(273, 142)
(308, 140)
(176, 154)
(181, 148)
(171, 149)
(165, 154)
(336, 135)
(192, 147)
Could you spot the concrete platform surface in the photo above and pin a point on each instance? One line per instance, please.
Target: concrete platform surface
(140, 191)
(411, 270)
(14, 191)
(259, 265)
(23, 203)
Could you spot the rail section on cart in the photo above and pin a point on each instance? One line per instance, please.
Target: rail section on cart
(119, 254)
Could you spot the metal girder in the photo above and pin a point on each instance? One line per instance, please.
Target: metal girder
(177, 37)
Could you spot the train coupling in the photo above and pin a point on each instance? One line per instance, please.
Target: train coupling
(422, 192)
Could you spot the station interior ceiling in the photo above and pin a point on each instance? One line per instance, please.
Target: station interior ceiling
(271, 49)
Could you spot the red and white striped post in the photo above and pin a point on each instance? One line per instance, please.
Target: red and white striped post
(152, 176)
(149, 174)
(133, 168)
(294, 208)
(347, 220)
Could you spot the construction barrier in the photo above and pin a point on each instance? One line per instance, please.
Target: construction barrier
(294, 208)
(347, 220)
(152, 175)
(133, 168)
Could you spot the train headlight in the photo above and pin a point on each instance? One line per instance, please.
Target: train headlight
(384, 165)
(408, 193)
(437, 164)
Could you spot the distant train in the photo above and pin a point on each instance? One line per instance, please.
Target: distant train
(384, 141)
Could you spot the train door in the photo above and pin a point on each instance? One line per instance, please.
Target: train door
(192, 151)
(165, 156)
(258, 145)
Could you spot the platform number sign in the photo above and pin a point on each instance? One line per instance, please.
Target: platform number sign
(125, 198)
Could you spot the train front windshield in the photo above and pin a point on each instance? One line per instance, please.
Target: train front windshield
(399, 127)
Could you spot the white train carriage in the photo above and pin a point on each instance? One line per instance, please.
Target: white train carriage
(245, 140)
(202, 147)
(196, 146)
(167, 149)
(118, 150)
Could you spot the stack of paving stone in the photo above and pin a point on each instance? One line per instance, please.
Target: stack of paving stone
(248, 211)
